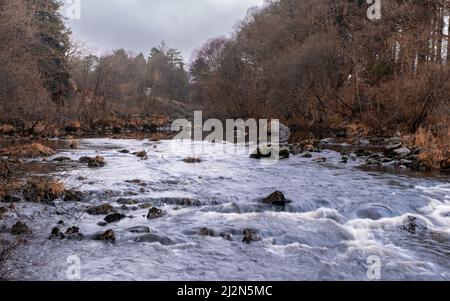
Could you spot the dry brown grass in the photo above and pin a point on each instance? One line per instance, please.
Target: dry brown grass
(434, 149)
(33, 150)
(43, 189)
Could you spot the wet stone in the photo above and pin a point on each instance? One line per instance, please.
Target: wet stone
(250, 236)
(277, 199)
(108, 236)
(20, 228)
(100, 210)
(114, 217)
(155, 213)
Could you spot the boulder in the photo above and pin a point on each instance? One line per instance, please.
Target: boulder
(20, 228)
(155, 213)
(277, 199)
(114, 217)
(100, 210)
(108, 236)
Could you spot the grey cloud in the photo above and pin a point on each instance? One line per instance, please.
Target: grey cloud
(138, 25)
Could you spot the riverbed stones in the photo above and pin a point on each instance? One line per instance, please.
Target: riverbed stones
(154, 213)
(114, 217)
(100, 210)
(277, 199)
(20, 228)
(108, 236)
(62, 159)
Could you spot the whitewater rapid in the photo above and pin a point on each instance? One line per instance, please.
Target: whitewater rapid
(340, 216)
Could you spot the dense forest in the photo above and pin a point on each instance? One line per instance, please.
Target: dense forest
(314, 64)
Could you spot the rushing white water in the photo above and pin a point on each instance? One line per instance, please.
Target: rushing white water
(340, 215)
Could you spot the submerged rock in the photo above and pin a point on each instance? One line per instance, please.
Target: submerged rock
(277, 198)
(155, 213)
(108, 236)
(124, 151)
(206, 232)
(151, 238)
(114, 217)
(20, 228)
(140, 229)
(100, 210)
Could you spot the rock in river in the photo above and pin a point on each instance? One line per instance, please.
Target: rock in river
(250, 236)
(100, 210)
(109, 235)
(20, 228)
(140, 229)
(155, 213)
(114, 217)
(277, 198)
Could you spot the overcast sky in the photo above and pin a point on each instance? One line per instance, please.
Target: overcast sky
(138, 25)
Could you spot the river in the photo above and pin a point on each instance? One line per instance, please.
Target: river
(340, 216)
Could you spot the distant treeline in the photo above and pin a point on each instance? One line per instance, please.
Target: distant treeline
(319, 63)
